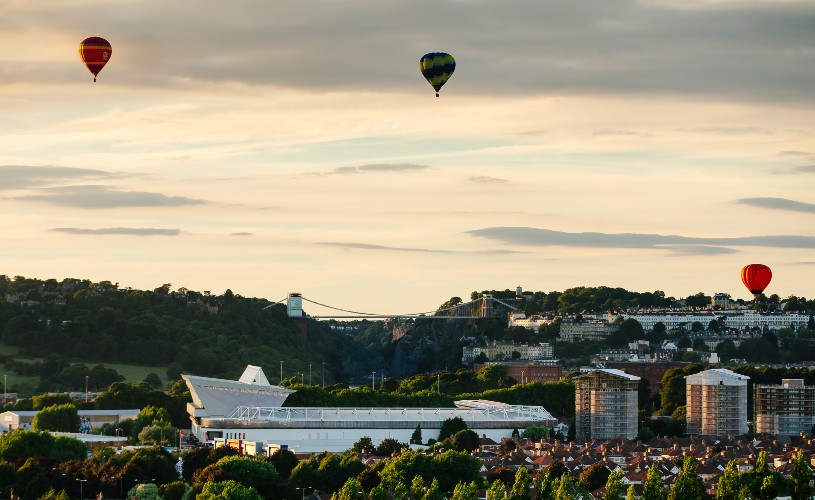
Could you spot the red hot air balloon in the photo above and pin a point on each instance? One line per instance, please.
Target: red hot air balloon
(756, 277)
(95, 53)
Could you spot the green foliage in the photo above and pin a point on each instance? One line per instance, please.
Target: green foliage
(465, 491)
(798, 483)
(762, 482)
(653, 488)
(228, 490)
(416, 437)
(389, 446)
(174, 491)
(496, 491)
(22, 444)
(729, 487)
(520, 488)
(451, 426)
(45, 400)
(688, 485)
(66, 448)
(466, 440)
(417, 486)
(54, 495)
(250, 472)
(284, 461)
(60, 417)
(595, 475)
(535, 432)
(565, 489)
(672, 387)
(614, 485)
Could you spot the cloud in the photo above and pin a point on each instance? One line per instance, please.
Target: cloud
(794, 153)
(803, 169)
(105, 197)
(119, 231)
(26, 177)
(730, 130)
(779, 204)
(485, 179)
(366, 246)
(744, 49)
(242, 234)
(613, 132)
(530, 236)
(375, 168)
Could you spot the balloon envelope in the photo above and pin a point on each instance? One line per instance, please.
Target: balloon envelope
(756, 277)
(437, 68)
(95, 52)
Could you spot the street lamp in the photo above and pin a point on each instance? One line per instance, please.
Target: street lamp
(80, 487)
(86, 391)
(323, 373)
(281, 372)
(373, 381)
(4, 389)
(303, 490)
(309, 374)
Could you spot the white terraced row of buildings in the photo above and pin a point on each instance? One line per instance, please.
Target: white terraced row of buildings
(740, 320)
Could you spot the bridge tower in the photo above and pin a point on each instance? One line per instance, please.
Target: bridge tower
(294, 305)
(486, 306)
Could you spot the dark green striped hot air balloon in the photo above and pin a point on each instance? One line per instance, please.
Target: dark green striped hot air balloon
(437, 68)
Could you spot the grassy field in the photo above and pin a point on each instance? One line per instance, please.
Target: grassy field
(26, 385)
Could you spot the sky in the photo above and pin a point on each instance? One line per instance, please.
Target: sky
(293, 146)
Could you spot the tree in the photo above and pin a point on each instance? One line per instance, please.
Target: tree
(565, 489)
(632, 493)
(416, 437)
(154, 380)
(545, 485)
(653, 488)
(174, 491)
(595, 475)
(433, 491)
(798, 484)
(21, 444)
(389, 446)
(66, 448)
(520, 489)
(257, 474)
(450, 426)
(465, 491)
(466, 440)
(763, 482)
(496, 491)
(60, 417)
(614, 485)
(536, 432)
(351, 490)
(364, 445)
(688, 485)
(729, 483)
(284, 460)
(417, 487)
(226, 490)
(378, 492)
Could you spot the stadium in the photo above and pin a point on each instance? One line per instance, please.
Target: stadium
(249, 414)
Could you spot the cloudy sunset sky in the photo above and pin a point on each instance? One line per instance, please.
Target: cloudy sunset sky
(293, 146)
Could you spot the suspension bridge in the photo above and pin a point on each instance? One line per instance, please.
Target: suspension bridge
(482, 307)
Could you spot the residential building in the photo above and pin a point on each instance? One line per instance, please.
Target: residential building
(606, 404)
(534, 322)
(587, 330)
(716, 403)
(500, 350)
(787, 409)
(548, 370)
(727, 319)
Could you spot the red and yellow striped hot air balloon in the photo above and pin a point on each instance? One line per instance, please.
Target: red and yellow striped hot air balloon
(95, 53)
(756, 277)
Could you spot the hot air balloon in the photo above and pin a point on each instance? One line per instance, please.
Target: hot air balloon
(437, 68)
(756, 277)
(95, 53)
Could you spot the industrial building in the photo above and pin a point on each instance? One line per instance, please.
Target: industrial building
(716, 403)
(606, 404)
(249, 413)
(23, 419)
(787, 409)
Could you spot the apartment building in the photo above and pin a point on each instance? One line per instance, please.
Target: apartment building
(716, 403)
(500, 350)
(589, 330)
(606, 404)
(787, 409)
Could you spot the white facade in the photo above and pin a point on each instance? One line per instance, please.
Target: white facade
(314, 430)
(740, 321)
(534, 322)
(716, 403)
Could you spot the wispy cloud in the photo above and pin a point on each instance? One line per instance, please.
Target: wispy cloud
(105, 197)
(129, 231)
(730, 130)
(26, 177)
(794, 153)
(779, 204)
(242, 234)
(803, 169)
(485, 179)
(374, 168)
(366, 246)
(614, 132)
(530, 236)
